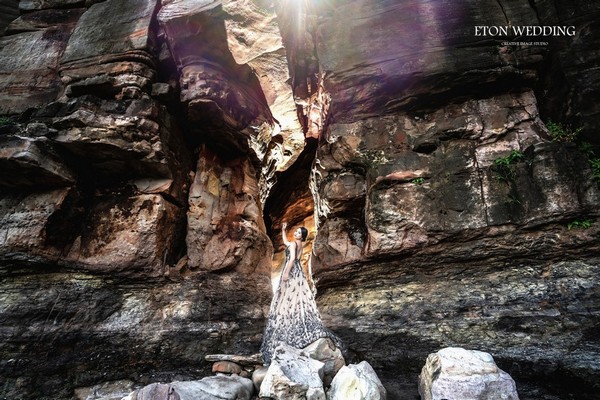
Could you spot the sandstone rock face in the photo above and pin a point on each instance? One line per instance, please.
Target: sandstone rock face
(570, 87)
(36, 56)
(225, 225)
(385, 167)
(409, 185)
(463, 374)
(150, 150)
(31, 161)
(97, 159)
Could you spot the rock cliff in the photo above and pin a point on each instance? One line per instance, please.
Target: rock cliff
(150, 151)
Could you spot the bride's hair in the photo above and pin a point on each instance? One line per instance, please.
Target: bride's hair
(304, 233)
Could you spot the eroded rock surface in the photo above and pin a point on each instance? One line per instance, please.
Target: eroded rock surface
(150, 151)
(435, 170)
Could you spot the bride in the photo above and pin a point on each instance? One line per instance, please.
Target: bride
(293, 316)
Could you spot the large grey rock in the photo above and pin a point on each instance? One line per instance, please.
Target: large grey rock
(456, 373)
(154, 391)
(219, 387)
(293, 375)
(215, 388)
(356, 382)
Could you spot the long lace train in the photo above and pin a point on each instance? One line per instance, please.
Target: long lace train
(293, 317)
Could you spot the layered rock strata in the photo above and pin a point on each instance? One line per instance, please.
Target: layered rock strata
(436, 174)
(150, 151)
(132, 237)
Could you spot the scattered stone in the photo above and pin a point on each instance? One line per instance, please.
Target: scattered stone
(252, 360)
(258, 376)
(226, 367)
(456, 373)
(215, 387)
(356, 382)
(36, 129)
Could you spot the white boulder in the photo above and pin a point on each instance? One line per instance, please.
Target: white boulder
(293, 375)
(356, 382)
(457, 374)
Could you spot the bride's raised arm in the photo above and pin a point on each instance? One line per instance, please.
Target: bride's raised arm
(284, 234)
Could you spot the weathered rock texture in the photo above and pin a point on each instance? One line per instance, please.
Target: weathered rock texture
(356, 382)
(423, 239)
(150, 150)
(132, 240)
(456, 373)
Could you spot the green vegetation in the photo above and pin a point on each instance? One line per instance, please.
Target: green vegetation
(595, 164)
(582, 224)
(6, 121)
(418, 181)
(504, 165)
(562, 133)
(588, 150)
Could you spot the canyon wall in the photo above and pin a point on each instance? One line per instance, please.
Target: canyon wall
(150, 151)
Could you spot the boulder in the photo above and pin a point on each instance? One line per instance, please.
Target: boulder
(356, 382)
(293, 375)
(324, 350)
(258, 376)
(154, 391)
(219, 387)
(456, 373)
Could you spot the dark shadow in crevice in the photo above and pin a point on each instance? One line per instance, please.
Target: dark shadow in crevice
(291, 188)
